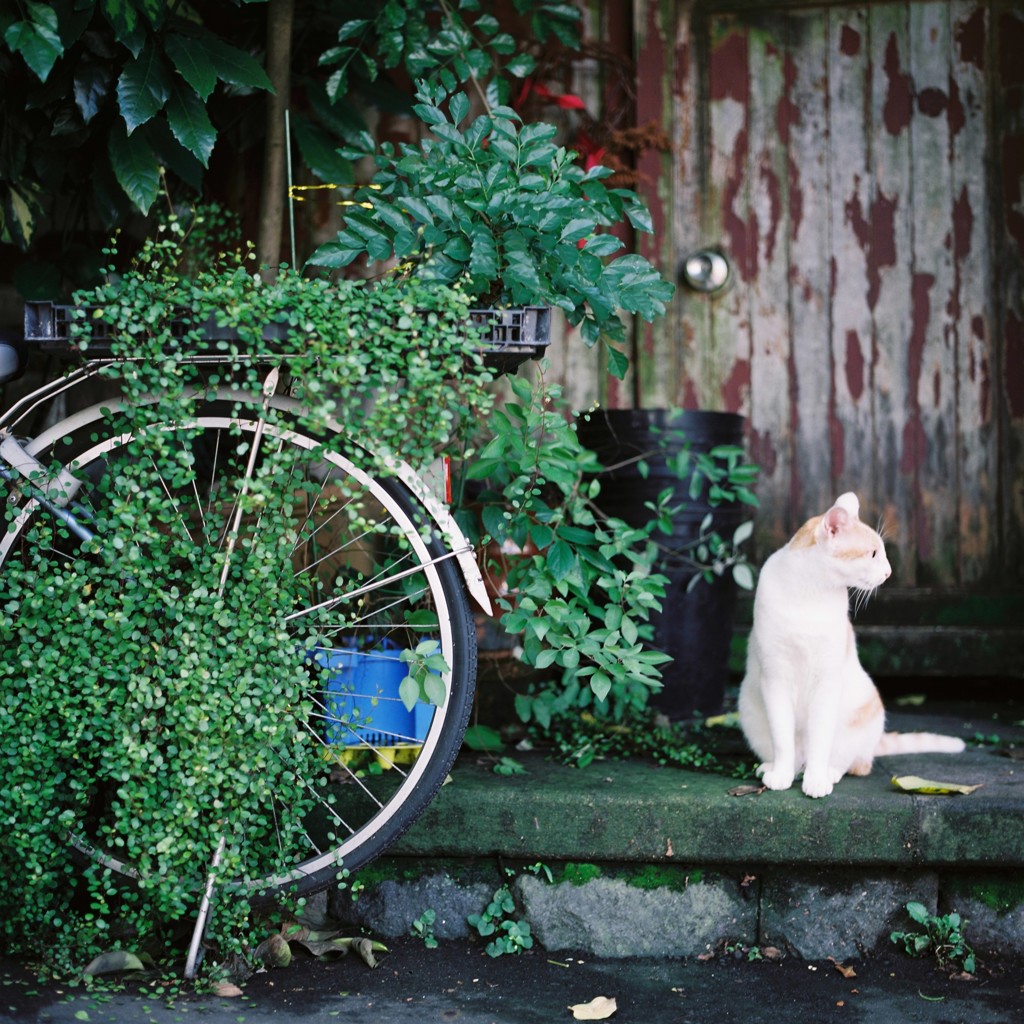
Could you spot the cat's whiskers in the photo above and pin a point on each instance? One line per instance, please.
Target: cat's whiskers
(861, 596)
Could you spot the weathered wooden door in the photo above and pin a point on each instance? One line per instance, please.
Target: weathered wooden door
(860, 167)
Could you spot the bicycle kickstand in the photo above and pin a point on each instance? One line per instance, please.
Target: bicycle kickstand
(204, 913)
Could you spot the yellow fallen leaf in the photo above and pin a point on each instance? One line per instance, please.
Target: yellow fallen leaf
(911, 700)
(730, 719)
(913, 784)
(226, 990)
(600, 1008)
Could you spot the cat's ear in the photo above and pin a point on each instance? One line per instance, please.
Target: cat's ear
(849, 503)
(835, 520)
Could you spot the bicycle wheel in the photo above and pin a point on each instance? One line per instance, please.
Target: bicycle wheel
(371, 586)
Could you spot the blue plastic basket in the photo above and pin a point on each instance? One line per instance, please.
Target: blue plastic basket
(361, 699)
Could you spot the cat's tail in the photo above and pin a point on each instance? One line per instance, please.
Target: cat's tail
(918, 743)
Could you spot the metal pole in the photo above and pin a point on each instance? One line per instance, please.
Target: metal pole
(204, 913)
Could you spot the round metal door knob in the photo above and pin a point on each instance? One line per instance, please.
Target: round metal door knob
(706, 270)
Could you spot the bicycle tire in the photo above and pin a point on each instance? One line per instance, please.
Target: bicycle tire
(375, 809)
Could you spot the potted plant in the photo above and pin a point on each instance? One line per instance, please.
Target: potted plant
(689, 470)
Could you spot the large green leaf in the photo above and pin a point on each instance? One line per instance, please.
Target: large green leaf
(483, 260)
(173, 155)
(135, 166)
(337, 254)
(561, 560)
(37, 39)
(190, 123)
(143, 88)
(124, 19)
(92, 86)
(192, 61)
(237, 67)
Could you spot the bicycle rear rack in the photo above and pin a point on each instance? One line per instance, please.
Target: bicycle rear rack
(508, 337)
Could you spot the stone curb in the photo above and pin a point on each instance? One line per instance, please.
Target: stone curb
(813, 915)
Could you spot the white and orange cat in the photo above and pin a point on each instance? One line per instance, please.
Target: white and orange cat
(805, 702)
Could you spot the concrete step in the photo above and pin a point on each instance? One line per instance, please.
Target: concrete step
(627, 858)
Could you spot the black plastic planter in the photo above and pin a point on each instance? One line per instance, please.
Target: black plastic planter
(695, 626)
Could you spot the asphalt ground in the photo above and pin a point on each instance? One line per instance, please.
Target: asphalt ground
(458, 982)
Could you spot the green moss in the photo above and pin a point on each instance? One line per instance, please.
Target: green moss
(999, 894)
(660, 876)
(580, 874)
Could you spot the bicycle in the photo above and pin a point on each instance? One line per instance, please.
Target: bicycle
(386, 577)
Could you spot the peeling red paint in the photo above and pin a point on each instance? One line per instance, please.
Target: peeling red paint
(854, 366)
(796, 198)
(741, 234)
(763, 452)
(915, 441)
(876, 235)
(737, 387)
(970, 38)
(1014, 368)
(690, 399)
(837, 445)
(899, 95)
(963, 225)
(787, 113)
(849, 41)
(729, 70)
(931, 101)
(956, 118)
(774, 192)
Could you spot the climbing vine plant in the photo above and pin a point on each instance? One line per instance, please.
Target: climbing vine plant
(154, 695)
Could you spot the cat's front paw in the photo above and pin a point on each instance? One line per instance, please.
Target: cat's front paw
(817, 784)
(775, 777)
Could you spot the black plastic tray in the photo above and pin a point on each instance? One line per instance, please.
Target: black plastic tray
(508, 336)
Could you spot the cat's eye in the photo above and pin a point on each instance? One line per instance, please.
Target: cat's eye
(875, 552)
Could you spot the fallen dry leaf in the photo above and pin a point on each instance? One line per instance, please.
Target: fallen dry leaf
(846, 972)
(913, 784)
(746, 790)
(367, 949)
(115, 960)
(772, 953)
(600, 1008)
(226, 990)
